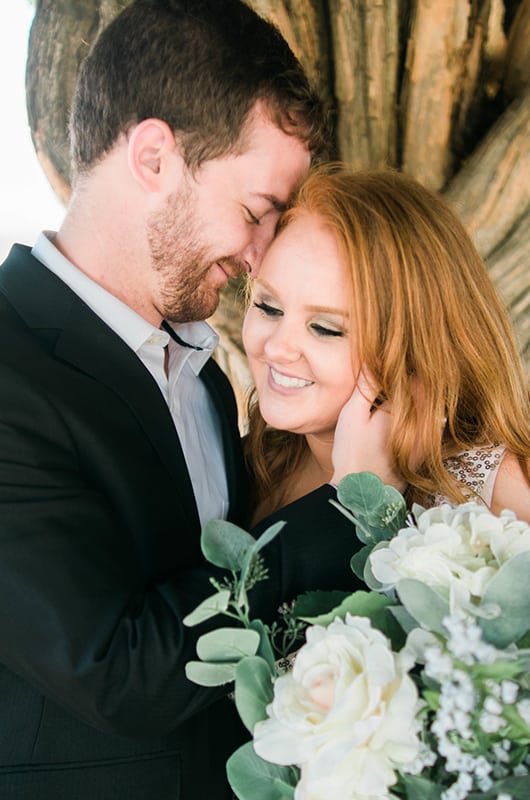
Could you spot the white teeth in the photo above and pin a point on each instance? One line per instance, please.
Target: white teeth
(284, 380)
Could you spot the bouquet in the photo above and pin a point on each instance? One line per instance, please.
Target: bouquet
(417, 688)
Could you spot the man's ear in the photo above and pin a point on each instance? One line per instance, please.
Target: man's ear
(151, 146)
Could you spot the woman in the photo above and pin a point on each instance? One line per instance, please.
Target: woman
(373, 290)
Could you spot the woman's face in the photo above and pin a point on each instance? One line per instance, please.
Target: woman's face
(296, 331)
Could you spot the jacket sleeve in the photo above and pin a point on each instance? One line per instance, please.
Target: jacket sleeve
(78, 620)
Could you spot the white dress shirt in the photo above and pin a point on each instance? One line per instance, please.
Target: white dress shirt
(189, 402)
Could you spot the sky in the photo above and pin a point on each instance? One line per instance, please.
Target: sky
(27, 202)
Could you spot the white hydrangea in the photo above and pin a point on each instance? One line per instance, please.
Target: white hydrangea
(458, 549)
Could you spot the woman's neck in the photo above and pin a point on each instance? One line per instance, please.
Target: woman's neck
(314, 470)
(320, 448)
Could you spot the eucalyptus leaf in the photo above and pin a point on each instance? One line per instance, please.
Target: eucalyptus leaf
(312, 604)
(361, 492)
(406, 622)
(257, 545)
(225, 544)
(418, 788)
(359, 559)
(368, 576)
(510, 590)
(253, 690)
(395, 516)
(497, 671)
(251, 777)
(227, 644)
(424, 604)
(393, 498)
(210, 607)
(519, 731)
(359, 604)
(375, 531)
(265, 648)
(267, 536)
(518, 788)
(524, 641)
(378, 510)
(210, 674)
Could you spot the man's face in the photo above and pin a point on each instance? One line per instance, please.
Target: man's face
(220, 222)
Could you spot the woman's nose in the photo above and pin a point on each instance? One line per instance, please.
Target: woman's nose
(281, 345)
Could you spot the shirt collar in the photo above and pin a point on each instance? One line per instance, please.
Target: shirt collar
(202, 341)
(126, 323)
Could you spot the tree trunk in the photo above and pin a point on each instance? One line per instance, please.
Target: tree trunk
(436, 88)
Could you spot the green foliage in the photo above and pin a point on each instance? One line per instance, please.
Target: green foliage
(264, 650)
(425, 605)
(227, 644)
(250, 777)
(210, 674)
(377, 510)
(311, 605)
(514, 787)
(213, 605)
(358, 604)
(420, 789)
(509, 590)
(253, 690)
(246, 654)
(226, 545)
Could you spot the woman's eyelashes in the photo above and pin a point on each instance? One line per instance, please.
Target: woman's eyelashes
(319, 328)
(267, 309)
(322, 330)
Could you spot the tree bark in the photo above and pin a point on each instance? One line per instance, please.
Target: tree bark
(508, 266)
(517, 77)
(491, 193)
(365, 48)
(60, 37)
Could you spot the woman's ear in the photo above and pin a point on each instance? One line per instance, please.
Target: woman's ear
(151, 147)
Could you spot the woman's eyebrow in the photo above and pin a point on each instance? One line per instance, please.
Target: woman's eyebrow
(341, 312)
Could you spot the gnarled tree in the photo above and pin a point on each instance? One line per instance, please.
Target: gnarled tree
(437, 88)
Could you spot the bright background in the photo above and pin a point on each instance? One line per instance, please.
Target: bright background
(27, 202)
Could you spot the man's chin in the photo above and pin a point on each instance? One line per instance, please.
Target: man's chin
(201, 309)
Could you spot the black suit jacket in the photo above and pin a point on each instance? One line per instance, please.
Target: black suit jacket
(100, 560)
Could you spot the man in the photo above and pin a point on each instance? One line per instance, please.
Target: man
(191, 124)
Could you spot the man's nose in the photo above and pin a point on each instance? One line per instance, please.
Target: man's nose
(263, 235)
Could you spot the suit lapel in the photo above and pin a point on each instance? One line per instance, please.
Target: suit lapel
(88, 344)
(222, 396)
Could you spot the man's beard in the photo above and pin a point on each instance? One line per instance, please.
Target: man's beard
(180, 261)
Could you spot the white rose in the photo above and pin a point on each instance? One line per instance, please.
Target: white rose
(454, 548)
(346, 714)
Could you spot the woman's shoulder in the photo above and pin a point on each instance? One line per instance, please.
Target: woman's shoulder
(512, 487)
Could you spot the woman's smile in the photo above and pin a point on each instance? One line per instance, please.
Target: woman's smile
(284, 381)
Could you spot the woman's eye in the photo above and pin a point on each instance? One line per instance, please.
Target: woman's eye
(321, 330)
(269, 311)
